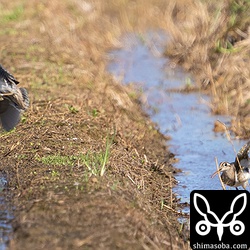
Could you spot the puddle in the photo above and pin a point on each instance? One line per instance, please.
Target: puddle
(5, 216)
(184, 117)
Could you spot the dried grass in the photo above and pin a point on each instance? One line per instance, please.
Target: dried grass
(211, 39)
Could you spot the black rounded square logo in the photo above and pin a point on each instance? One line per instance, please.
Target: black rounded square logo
(219, 219)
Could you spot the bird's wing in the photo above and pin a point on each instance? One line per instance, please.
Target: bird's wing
(6, 77)
(242, 154)
(19, 98)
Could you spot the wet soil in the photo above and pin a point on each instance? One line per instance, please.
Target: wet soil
(79, 116)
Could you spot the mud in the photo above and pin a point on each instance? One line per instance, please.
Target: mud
(86, 168)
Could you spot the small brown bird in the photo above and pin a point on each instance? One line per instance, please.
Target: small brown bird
(236, 173)
(13, 100)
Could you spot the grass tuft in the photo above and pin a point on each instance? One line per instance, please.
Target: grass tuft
(96, 162)
(58, 160)
(12, 15)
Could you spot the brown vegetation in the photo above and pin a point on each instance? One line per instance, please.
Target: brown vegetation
(212, 40)
(86, 168)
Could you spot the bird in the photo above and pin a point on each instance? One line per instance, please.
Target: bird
(13, 100)
(237, 173)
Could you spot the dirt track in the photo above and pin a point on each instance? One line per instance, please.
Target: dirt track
(86, 168)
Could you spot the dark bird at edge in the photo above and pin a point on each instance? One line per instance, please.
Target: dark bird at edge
(13, 100)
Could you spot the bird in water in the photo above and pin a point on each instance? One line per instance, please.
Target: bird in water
(236, 173)
(13, 100)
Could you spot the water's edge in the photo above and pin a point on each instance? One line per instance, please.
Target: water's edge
(186, 118)
(6, 215)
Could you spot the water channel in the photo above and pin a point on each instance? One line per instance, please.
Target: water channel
(6, 216)
(186, 118)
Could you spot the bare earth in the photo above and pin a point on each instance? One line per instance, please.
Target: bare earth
(86, 168)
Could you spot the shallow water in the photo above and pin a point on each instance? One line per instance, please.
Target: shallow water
(184, 117)
(5, 216)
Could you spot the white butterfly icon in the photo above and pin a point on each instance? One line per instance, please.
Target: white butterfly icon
(236, 227)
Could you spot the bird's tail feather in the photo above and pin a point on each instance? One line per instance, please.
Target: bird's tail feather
(26, 102)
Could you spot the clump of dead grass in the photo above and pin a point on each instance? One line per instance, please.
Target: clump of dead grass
(211, 39)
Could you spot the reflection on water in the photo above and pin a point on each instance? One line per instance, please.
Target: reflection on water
(5, 216)
(185, 117)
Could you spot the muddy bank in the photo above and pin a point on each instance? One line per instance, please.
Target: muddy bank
(85, 167)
